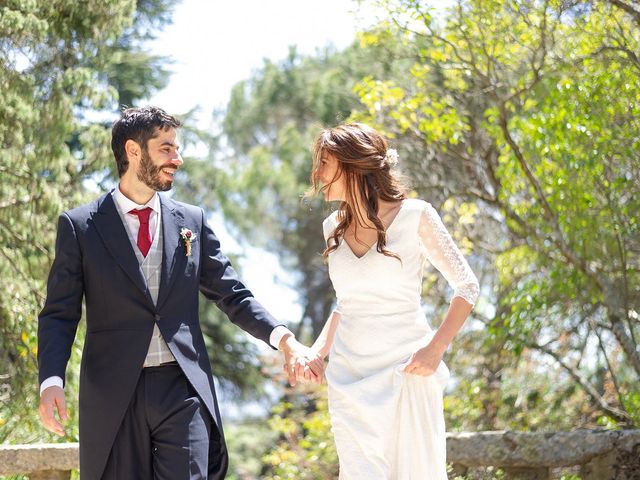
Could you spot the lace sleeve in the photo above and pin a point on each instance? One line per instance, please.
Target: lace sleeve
(443, 254)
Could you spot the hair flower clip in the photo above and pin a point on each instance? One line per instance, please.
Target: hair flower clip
(187, 237)
(391, 158)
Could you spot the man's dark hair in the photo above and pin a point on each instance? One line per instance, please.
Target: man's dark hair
(139, 125)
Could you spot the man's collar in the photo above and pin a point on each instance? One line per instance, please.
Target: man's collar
(126, 204)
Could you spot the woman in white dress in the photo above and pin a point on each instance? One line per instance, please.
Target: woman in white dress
(385, 373)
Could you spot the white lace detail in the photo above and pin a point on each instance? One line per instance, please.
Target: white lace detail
(443, 254)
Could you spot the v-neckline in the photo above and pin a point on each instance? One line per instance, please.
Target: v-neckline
(344, 240)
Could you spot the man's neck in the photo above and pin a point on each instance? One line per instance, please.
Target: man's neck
(136, 191)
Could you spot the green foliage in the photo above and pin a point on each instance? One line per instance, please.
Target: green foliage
(519, 121)
(540, 134)
(246, 443)
(306, 450)
(269, 124)
(134, 73)
(53, 59)
(40, 90)
(60, 65)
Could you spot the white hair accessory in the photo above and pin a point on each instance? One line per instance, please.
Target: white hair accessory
(391, 157)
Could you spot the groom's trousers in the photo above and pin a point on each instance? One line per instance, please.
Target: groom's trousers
(165, 432)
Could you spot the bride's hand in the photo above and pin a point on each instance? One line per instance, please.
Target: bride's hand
(425, 361)
(301, 362)
(313, 370)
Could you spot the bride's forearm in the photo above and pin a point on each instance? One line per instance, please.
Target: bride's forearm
(458, 312)
(322, 345)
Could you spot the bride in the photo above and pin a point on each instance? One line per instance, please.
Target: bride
(385, 374)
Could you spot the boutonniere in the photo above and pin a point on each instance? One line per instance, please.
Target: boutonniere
(187, 237)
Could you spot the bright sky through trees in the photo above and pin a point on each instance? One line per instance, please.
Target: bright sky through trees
(217, 43)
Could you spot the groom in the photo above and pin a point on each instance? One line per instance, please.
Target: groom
(148, 406)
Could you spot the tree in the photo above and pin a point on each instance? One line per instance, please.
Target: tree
(519, 120)
(53, 62)
(263, 170)
(133, 72)
(525, 115)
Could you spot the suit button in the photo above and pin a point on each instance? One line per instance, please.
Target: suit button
(158, 317)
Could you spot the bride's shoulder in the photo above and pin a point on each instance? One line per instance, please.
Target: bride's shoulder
(330, 223)
(332, 218)
(416, 204)
(420, 211)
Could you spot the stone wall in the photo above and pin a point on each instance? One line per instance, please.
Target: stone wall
(600, 455)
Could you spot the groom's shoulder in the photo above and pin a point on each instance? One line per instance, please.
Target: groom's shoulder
(189, 209)
(86, 210)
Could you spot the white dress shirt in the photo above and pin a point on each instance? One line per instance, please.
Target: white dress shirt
(125, 205)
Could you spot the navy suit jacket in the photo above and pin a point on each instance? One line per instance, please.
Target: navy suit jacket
(95, 259)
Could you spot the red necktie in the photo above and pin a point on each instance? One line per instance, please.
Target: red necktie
(144, 233)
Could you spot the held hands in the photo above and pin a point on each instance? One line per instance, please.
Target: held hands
(300, 362)
(425, 361)
(52, 399)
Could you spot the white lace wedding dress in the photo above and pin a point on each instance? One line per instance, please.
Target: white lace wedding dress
(389, 425)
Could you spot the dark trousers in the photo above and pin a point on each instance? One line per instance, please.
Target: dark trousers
(165, 432)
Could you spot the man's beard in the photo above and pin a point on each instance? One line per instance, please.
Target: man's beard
(149, 174)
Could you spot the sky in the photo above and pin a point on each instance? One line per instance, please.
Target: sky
(217, 43)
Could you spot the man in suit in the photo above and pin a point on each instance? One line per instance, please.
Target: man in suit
(148, 406)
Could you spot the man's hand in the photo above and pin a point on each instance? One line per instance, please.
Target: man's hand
(300, 362)
(52, 399)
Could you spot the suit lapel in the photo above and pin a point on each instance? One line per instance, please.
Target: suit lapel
(112, 231)
(173, 258)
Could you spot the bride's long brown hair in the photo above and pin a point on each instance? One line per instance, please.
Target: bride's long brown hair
(363, 159)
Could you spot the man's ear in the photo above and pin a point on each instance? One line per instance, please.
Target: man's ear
(133, 150)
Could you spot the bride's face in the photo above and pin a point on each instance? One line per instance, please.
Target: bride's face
(333, 181)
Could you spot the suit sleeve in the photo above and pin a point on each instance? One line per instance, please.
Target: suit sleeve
(58, 320)
(220, 282)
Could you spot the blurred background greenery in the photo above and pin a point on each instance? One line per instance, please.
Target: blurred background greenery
(519, 120)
